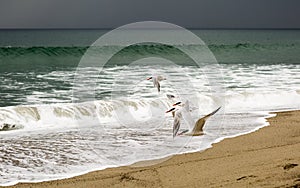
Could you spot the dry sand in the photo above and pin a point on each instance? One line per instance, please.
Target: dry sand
(269, 157)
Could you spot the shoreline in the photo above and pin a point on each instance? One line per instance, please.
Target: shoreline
(267, 157)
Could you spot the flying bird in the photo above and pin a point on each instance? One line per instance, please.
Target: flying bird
(156, 81)
(187, 106)
(177, 114)
(197, 126)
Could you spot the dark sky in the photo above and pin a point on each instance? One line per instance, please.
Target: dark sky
(114, 13)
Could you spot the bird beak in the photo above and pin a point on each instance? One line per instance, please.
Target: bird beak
(176, 104)
(149, 78)
(170, 110)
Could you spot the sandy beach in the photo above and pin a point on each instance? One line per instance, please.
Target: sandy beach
(269, 157)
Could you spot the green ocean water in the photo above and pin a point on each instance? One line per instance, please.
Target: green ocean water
(65, 47)
(26, 54)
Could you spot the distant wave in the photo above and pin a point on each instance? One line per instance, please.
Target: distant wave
(252, 46)
(42, 51)
(133, 50)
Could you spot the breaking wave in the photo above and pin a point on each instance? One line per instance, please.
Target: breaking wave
(87, 113)
(135, 110)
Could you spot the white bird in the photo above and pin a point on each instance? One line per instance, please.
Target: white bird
(177, 114)
(186, 105)
(184, 111)
(197, 129)
(156, 81)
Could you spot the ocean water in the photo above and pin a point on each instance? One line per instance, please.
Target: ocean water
(57, 123)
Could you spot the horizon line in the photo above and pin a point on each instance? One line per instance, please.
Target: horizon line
(189, 28)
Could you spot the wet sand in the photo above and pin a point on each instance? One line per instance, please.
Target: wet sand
(269, 157)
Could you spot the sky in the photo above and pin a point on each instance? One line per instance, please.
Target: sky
(114, 13)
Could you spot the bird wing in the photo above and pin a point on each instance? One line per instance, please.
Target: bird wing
(158, 86)
(187, 105)
(154, 81)
(173, 114)
(212, 113)
(186, 115)
(200, 123)
(176, 123)
(160, 78)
